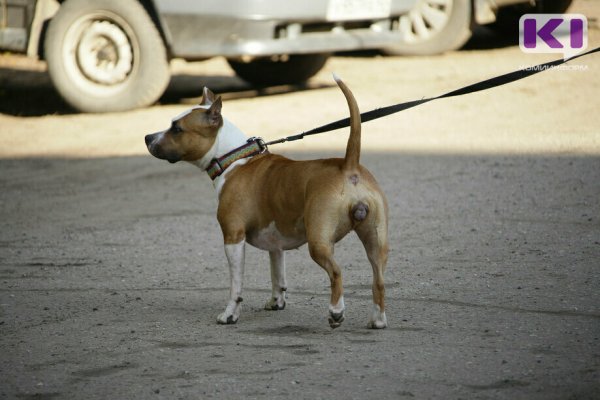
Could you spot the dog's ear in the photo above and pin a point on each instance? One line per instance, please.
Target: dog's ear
(208, 97)
(214, 112)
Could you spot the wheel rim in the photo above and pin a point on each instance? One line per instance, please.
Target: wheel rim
(104, 53)
(427, 19)
(99, 53)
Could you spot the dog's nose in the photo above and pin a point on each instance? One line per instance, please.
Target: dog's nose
(149, 139)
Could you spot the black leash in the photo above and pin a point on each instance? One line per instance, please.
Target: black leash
(476, 87)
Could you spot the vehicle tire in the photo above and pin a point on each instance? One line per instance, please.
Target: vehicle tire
(281, 70)
(507, 19)
(433, 27)
(552, 6)
(106, 55)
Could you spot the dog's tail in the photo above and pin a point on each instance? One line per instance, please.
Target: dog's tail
(352, 158)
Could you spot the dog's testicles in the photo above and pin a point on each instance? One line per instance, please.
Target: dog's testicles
(359, 211)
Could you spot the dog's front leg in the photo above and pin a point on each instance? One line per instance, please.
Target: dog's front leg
(235, 256)
(278, 281)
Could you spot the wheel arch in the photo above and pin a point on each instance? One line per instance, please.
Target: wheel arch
(152, 11)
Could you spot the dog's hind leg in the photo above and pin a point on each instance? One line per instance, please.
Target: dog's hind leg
(278, 281)
(322, 254)
(373, 235)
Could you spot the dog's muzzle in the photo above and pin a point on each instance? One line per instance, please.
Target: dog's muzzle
(157, 151)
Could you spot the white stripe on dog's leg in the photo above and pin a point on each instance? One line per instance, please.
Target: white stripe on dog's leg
(339, 307)
(235, 256)
(278, 281)
(378, 319)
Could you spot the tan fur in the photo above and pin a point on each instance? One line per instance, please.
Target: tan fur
(310, 201)
(352, 157)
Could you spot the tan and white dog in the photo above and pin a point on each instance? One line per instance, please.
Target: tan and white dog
(277, 204)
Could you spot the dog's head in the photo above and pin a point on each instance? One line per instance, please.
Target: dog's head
(191, 134)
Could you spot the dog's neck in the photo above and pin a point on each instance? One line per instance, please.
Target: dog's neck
(228, 138)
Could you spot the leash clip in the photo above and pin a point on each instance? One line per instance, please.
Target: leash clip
(260, 142)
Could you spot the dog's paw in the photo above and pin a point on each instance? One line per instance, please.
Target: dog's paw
(275, 304)
(377, 324)
(225, 319)
(336, 313)
(232, 313)
(378, 319)
(336, 319)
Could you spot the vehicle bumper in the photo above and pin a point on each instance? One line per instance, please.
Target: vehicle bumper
(268, 27)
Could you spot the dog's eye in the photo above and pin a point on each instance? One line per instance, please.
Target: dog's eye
(176, 128)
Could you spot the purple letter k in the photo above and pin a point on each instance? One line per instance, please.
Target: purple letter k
(531, 33)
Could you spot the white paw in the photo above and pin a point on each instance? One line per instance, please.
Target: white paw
(224, 319)
(336, 313)
(231, 313)
(336, 319)
(378, 319)
(275, 304)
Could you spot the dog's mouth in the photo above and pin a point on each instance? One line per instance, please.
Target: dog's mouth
(157, 151)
